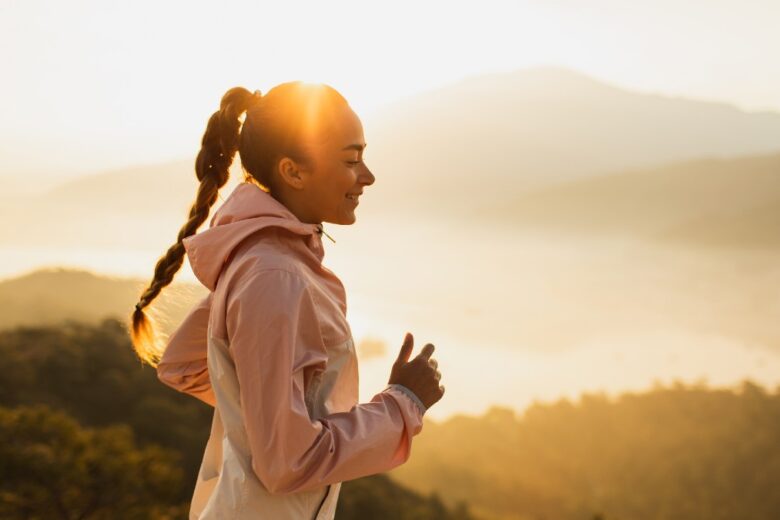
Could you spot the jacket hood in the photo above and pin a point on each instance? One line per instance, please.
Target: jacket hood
(246, 211)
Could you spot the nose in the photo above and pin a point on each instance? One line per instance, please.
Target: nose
(367, 177)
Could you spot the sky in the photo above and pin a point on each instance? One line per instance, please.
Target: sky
(96, 85)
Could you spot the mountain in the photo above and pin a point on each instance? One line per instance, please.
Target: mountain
(155, 187)
(481, 142)
(52, 296)
(112, 209)
(718, 202)
(487, 137)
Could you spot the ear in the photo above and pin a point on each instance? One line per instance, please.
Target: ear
(290, 173)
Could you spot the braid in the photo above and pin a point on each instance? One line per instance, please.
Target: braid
(218, 147)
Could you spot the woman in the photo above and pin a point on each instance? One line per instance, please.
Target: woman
(270, 347)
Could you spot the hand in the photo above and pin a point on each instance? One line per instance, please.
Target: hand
(420, 375)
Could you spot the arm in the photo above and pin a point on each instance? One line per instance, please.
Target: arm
(274, 333)
(183, 365)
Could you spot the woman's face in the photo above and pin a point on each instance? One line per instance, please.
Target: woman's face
(327, 189)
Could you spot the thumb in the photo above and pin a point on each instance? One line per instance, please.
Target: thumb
(406, 349)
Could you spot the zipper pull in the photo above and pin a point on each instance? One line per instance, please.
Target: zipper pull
(321, 230)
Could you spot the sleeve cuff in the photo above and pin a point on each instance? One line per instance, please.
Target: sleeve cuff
(411, 395)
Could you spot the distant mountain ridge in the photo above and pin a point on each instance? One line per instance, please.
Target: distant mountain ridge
(484, 142)
(502, 134)
(52, 296)
(717, 202)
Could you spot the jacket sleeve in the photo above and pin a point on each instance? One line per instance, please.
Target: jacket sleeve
(183, 365)
(274, 335)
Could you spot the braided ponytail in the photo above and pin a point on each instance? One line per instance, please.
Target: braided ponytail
(218, 147)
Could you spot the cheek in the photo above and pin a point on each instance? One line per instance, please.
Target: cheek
(336, 184)
(346, 181)
(335, 192)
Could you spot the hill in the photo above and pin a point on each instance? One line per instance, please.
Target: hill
(689, 452)
(57, 379)
(725, 202)
(52, 296)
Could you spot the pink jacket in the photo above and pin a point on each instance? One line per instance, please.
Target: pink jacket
(271, 350)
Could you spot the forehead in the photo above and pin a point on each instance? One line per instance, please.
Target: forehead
(342, 128)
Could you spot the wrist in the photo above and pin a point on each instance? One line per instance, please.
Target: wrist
(411, 395)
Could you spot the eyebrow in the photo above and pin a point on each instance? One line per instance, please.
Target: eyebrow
(357, 147)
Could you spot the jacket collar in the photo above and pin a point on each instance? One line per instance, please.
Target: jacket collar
(246, 211)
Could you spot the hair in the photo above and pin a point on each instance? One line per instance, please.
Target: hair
(276, 125)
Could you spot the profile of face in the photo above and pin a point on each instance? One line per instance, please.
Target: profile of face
(328, 187)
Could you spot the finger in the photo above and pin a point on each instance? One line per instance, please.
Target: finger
(433, 363)
(437, 375)
(426, 351)
(406, 349)
(441, 389)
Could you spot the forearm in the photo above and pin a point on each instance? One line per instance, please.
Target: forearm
(371, 438)
(184, 365)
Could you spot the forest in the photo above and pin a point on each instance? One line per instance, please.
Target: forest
(86, 431)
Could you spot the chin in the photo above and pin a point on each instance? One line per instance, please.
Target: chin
(343, 221)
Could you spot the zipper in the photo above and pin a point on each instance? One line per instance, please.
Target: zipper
(322, 503)
(321, 230)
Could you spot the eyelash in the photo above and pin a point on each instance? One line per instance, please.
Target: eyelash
(354, 162)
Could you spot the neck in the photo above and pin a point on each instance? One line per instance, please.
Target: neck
(296, 208)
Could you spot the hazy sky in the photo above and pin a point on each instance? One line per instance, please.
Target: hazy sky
(91, 85)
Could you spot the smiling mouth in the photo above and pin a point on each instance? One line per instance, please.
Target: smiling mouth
(353, 198)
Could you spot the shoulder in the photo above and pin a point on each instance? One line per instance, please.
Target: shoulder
(269, 302)
(269, 283)
(271, 294)
(266, 250)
